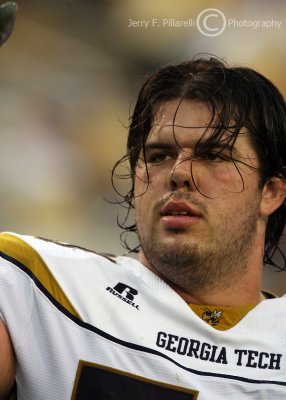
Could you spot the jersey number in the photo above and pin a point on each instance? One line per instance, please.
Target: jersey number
(94, 381)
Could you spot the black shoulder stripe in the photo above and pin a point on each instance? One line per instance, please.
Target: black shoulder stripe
(269, 295)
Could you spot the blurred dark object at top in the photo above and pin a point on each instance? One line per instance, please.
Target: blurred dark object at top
(8, 13)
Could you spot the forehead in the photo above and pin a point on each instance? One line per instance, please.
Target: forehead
(183, 115)
(186, 122)
(184, 112)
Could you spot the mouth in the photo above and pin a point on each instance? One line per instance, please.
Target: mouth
(179, 215)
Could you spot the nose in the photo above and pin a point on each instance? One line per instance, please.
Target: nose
(181, 175)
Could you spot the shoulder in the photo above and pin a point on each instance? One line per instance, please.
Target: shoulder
(29, 249)
(63, 273)
(46, 260)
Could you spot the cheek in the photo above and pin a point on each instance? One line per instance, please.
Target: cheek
(149, 181)
(229, 179)
(148, 189)
(143, 199)
(140, 182)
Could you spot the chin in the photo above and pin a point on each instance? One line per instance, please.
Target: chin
(178, 237)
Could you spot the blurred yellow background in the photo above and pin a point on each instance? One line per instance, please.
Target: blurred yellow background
(69, 75)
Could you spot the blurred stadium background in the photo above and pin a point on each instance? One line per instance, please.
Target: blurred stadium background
(69, 75)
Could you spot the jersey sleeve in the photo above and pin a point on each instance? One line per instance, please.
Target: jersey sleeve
(16, 287)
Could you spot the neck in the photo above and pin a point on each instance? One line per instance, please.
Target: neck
(243, 291)
(230, 297)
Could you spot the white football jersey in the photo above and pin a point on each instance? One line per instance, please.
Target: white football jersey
(85, 326)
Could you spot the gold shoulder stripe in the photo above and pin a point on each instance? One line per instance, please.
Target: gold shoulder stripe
(21, 251)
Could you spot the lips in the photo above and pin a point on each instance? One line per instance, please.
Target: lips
(174, 208)
(179, 216)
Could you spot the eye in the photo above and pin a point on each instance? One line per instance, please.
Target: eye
(212, 156)
(157, 158)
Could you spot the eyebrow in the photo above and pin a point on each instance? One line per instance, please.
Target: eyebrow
(225, 146)
(158, 145)
(168, 146)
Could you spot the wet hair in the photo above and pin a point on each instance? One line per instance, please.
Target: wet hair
(238, 97)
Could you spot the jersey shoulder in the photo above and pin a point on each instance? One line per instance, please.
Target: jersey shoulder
(27, 249)
(50, 265)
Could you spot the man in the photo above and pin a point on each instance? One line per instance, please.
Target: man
(189, 320)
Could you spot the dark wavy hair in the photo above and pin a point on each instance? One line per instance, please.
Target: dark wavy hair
(235, 94)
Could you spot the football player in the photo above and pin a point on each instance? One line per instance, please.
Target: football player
(188, 319)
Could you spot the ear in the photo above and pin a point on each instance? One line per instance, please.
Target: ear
(273, 195)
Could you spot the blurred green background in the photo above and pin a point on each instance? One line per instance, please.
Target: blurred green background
(69, 75)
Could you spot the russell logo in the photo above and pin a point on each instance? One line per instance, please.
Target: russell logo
(125, 293)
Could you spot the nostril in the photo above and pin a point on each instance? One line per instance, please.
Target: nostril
(180, 177)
